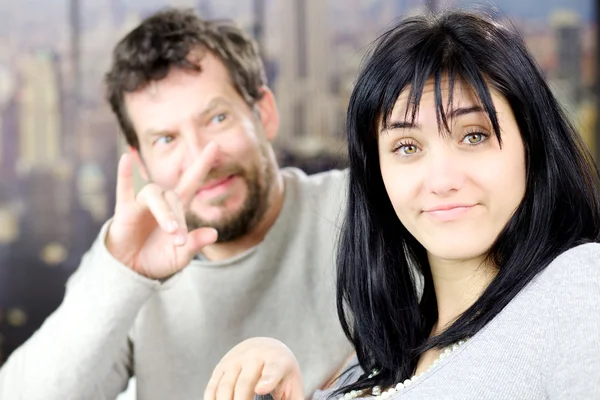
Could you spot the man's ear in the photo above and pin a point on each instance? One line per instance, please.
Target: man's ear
(140, 163)
(268, 113)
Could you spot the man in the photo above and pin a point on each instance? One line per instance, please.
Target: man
(220, 245)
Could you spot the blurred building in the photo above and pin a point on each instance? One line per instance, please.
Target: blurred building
(8, 145)
(568, 30)
(204, 8)
(572, 70)
(182, 3)
(303, 84)
(9, 228)
(242, 12)
(45, 176)
(99, 152)
(40, 112)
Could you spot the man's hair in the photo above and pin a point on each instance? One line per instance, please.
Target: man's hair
(165, 40)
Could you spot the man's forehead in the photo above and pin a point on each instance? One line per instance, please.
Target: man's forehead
(210, 81)
(197, 54)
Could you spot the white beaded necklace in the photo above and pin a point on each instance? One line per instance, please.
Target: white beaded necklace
(400, 386)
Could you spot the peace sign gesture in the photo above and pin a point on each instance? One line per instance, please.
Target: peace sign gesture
(148, 232)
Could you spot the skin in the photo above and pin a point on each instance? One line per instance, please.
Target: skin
(453, 192)
(196, 121)
(214, 188)
(257, 365)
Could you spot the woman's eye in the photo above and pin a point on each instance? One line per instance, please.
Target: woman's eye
(408, 149)
(474, 138)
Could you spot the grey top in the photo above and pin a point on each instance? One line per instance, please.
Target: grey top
(544, 345)
(114, 323)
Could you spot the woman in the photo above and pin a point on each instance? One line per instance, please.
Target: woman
(468, 262)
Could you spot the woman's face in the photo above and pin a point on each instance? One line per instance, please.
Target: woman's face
(453, 192)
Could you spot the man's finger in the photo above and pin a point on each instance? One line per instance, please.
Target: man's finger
(152, 197)
(193, 178)
(125, 191)
(198, 238)
(175, 204)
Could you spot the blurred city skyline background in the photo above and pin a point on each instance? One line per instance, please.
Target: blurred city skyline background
(59, 142)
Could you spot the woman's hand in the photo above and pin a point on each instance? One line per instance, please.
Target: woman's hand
(257, 366)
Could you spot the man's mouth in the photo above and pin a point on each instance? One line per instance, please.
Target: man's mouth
(215, 183)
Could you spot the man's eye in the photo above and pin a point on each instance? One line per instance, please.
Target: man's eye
(219, 118)
(164, 139)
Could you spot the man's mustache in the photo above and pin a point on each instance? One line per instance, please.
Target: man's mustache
(224, 172)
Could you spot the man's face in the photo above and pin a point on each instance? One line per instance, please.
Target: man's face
(176, 117)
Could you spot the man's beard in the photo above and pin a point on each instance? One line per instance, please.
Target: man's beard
(232, 227)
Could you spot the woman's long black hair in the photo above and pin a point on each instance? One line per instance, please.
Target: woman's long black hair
(377, 296)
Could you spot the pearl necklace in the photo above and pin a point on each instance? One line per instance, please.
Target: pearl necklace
(400, 386)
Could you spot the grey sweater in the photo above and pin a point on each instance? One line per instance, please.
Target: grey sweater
(114, 323)
(544, 345)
